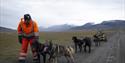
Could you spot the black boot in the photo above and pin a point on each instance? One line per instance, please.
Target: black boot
(36, 61)
(22, 61)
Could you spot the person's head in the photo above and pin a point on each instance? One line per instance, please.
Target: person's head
(74, 38)
(27, 18)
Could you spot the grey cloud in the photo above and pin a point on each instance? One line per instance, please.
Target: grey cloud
(12, 10)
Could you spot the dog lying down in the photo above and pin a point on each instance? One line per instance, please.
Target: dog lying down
(60, 50)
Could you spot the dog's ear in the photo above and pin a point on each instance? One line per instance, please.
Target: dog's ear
(50, 41)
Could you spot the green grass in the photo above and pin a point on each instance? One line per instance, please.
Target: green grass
(9, 46)
(62, 37)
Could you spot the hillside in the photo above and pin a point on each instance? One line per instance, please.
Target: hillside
(3, 29)
(63, 27)
(111, 24)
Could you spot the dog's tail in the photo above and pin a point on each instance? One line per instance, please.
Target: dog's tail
(71, 50)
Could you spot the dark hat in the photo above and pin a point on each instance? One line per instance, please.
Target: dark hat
(27, 17)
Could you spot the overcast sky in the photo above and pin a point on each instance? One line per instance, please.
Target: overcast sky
(56, 12)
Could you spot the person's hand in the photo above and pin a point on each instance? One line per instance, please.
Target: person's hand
(20, 39)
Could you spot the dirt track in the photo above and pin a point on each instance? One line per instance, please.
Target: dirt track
(110, 52)
(121, 48)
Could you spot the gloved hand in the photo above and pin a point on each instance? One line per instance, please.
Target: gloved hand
(20, 38)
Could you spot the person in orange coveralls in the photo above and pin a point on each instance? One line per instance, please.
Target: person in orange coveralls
(27, 34)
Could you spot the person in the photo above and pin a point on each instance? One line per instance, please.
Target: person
(27, 33)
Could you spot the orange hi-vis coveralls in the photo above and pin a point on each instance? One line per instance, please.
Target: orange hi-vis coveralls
(29, 31)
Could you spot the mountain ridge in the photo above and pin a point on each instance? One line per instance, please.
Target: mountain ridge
(109, 24)
(104, 25)
(5, 29)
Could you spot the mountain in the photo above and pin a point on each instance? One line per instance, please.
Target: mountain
(4, 29)
(114, 23)
(88, 24)
(111, 24)
(41, 28)
(63, 27)
(85, 26)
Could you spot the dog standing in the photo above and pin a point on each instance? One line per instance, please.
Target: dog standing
(87, 43)
(60, 50)
(77, 43)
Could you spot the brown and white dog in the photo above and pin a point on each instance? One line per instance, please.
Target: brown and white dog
(60, 50)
